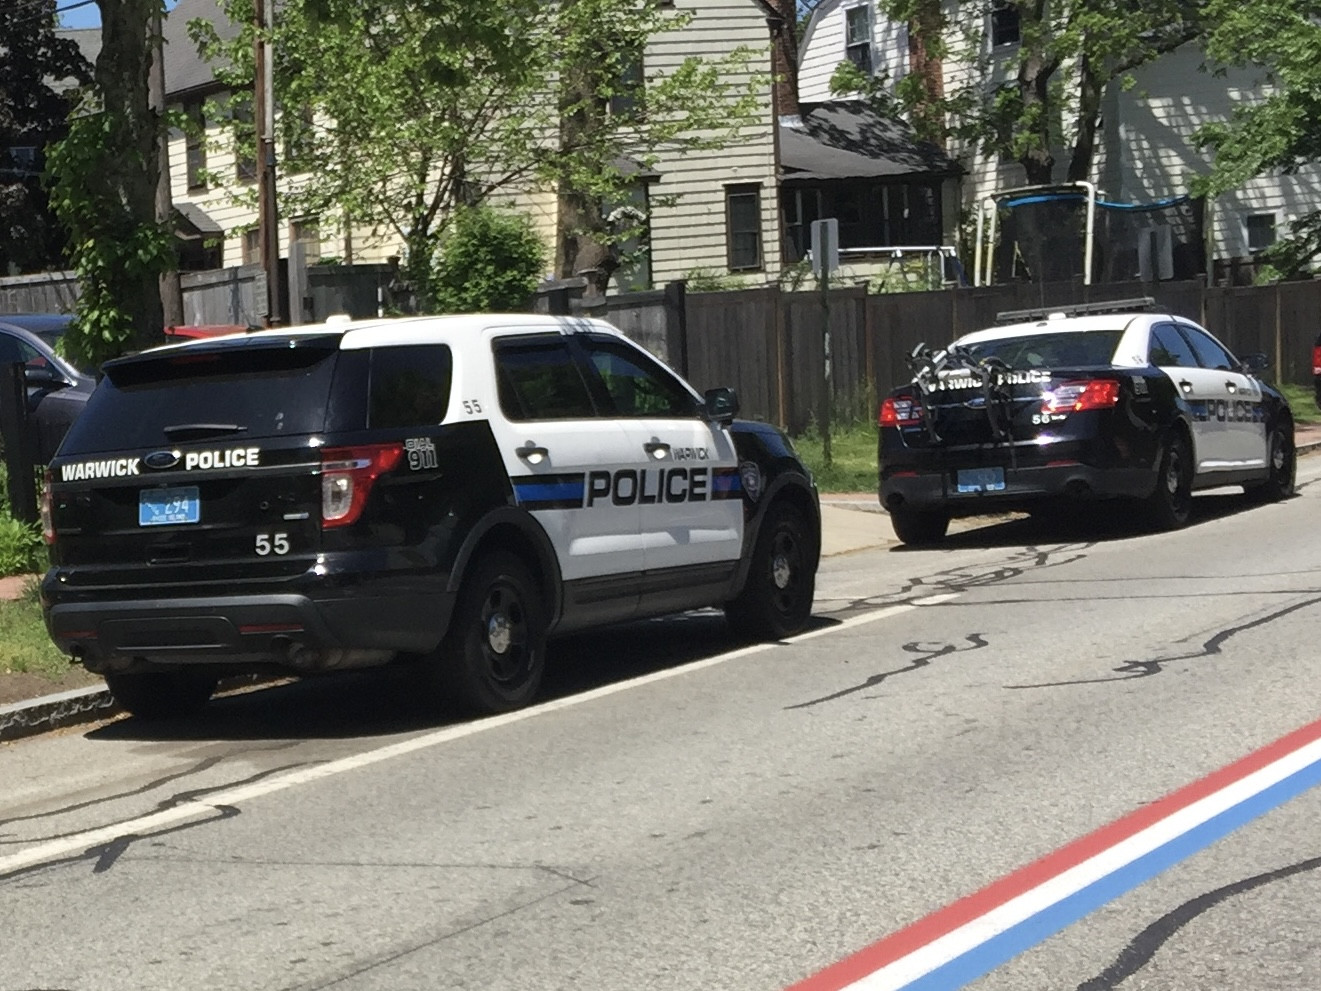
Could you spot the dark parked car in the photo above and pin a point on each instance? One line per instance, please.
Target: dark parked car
(57, 392)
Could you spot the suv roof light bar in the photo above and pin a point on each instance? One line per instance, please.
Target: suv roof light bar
(1139, 304)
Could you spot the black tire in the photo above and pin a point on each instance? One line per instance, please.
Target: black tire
(917, 527)
(494, 653)
(161, 694)
(1169, 506)
(1282, 460)
(776, 601)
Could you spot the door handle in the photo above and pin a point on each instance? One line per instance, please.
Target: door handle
(1185, 385)
(658, 449)
(531, 453)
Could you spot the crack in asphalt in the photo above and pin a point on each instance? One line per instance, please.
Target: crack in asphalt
(415, 946)
(929, 653)
(1144, 946)
(202, 765)
(106, 854)
(1130, 670)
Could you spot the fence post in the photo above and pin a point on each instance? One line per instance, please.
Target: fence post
(676, 325)
(15, 430)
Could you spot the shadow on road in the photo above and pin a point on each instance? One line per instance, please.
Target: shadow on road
(388, 701)
(1097, 522)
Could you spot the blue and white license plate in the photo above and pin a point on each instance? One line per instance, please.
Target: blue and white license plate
(980, 480)
(162, 507)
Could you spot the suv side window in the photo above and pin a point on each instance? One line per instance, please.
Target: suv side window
(637, 384)
(1209, 351)
(410, 385)
(1169, 349)
(538, 379)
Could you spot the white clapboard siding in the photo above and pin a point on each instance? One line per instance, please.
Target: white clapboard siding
(823, 48)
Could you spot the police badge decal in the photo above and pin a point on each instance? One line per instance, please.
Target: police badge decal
(750, 475)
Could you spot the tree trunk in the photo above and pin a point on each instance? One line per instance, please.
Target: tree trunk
(924, 33)
(122, 70)
(1090, 91)
(1034, 75)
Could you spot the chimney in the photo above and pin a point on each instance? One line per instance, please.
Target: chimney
(783, 22)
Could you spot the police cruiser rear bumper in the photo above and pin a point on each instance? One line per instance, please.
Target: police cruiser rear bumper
(907, 488)
(288, 630)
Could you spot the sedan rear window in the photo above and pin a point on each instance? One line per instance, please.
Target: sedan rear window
(1068, 349)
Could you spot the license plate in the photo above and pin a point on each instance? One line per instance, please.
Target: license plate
(161, 507)
(980, 480)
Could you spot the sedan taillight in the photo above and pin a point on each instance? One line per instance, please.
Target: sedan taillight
(899, 412)
(1076, 397)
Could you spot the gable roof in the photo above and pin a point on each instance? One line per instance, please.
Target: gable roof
(185, 69)
(847, 139)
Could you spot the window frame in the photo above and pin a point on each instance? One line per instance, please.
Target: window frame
(195, 145)
(1004, 19)
(507, 390)
(1193, 334)
(733, 191)
(647, 363)
(860, 51)
(1248, 230)
(1178, 333)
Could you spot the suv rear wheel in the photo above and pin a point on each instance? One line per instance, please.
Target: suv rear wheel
(161, 694)
(494, 654)
(776, 601)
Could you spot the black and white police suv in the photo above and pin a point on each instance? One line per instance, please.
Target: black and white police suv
(451, 489)
(1095, 401)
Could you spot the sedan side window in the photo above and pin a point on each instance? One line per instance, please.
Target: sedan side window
(638, 385)
(1169, 349)
(1209, 351)
(538, 379)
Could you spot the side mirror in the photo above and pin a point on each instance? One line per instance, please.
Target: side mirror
(44, 376)
(721, 405)
(1255, 362)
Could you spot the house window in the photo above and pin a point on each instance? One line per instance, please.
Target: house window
(245, 141)
(801, 208)
(307, 232)
(251, 246)
(743, 227)
(1004, 23)
(857, 37)
(195, 144)
(1260, 230)
(627, 98)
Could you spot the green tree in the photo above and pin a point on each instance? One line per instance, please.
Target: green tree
(1280, 131)
(32, 112)
(102, 181)
(1069, 53)
(396, 112)
(490, 261)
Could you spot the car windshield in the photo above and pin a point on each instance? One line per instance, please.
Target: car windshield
(1066, 349)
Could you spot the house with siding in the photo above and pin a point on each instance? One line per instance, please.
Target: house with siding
(712, 211)
(1145, 150)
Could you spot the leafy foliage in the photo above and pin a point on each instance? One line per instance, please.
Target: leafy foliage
(32, 113)
(102, 182)
(1281, 131)
(398, 113)
(1068, 52)
(490, 261)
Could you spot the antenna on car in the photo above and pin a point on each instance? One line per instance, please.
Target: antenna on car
(1138, 304)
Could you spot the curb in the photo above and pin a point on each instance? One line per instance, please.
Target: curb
(88, 705)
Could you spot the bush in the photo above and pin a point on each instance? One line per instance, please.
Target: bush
(21, 547)
(489, 261)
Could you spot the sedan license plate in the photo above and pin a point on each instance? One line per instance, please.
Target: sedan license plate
(980, 480)
(162, 507)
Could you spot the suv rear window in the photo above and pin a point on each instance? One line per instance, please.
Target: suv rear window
(263, 391)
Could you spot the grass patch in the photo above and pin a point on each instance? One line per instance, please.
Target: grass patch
(25, 646)
(1302, 400)
(853, 458)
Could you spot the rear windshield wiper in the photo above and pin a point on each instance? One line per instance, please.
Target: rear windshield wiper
(198, 431)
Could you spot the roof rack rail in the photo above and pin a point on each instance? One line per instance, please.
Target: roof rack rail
(1138, 304)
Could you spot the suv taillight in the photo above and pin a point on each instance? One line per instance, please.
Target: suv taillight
(899, 412)
(1076, 397)
(347, 477)
(47, 510)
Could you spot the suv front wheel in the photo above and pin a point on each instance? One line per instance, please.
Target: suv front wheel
(494, 654)
(776, 602)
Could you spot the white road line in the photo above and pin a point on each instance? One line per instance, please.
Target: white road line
(185, 811)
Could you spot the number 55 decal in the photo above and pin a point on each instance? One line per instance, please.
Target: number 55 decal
(272, 543)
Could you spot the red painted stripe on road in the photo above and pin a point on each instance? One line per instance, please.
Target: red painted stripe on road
(939, 923)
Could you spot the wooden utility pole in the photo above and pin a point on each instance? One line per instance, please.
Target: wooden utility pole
(268, 232)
